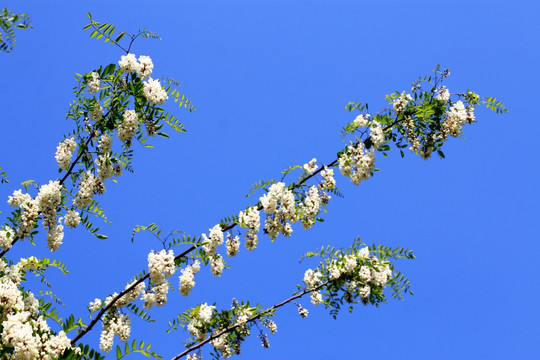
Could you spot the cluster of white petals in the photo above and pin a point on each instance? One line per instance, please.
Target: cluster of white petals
(64, 151)
(187, 279)
(157, 295)
(316, 298)
(160, 265)
(362, 120)
(96, 113)
(199, 320)
(401, 103)
(443, 94)
(311, 278)
(357, 162)
(55, 236)
(105, 168)
(329, 181)
(216, 265)
(128, 63)
(94, 84)
(376, 134)
(271, 326)
(49, 197)
(214, 239)
(24, 333)
(303, 312)
(154, 93)
(7, 235)
(95, 305)
(119, 324)
(87, 187)
(252, 220)
(280, 208)
(105, 144)
(128, 127)
(456, 117)
(29, 215)
(311, 167)
(310, 208)
(18, 198)
(232, 245)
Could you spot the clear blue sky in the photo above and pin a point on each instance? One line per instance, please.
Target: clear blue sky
(269, 80)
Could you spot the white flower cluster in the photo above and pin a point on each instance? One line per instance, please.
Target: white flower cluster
(400, 104)
(232, 245)
(216, 265)
(311, 278)
(357, 163)
(316, 298)
(252, 220)
(198, 321)
(49, 198)
(329, 181)
(157, 295)
(7, 235)
(277, 219)
(214, 239)
(271, 326)
(362, 120)
(105, 144)
(310, 208)
(64, 151)
(160, 265)
(311, 167)
(143, 67)
(443, 94)
(119, 324)
(187, 279)
(154, 93)
(303, 312)
(96, 113)
(29, 215)
(376, 134)
(94, 84)
(128, 127)
(87, 187)
(456, 117)
(24, 332)
(95, 305)
(377, 274)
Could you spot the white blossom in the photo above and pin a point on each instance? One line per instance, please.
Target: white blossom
(252, 220)
(93, 85)
(216, 265)
(96, 113)
(401, 103)
(86, 190)
(129, 125)
(311, 277)
(329, 181)
(311, 167)
(94, 305)
(376, 134)
(145, 67)
(310, 208)
(187, 280)
(128, 63)
(72, 219)
(233, 245)
(64, 152)
(214, 239)
(302, 312)
(7, 235)
(154, 93)
(362, 120)
(160, 265)
(443, 94)
(316, 298)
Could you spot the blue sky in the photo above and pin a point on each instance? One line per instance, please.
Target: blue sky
(270, 80)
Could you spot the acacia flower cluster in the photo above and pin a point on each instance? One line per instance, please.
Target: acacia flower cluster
(251, 220)
(279, 205)
(24, 331)
(64, 152)
(128, 127)
(94, 84)
(311, 166)
(187, 279)
(400, 104)
(154, 93)
(310, 208)
(128, 63)
(357, 162)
